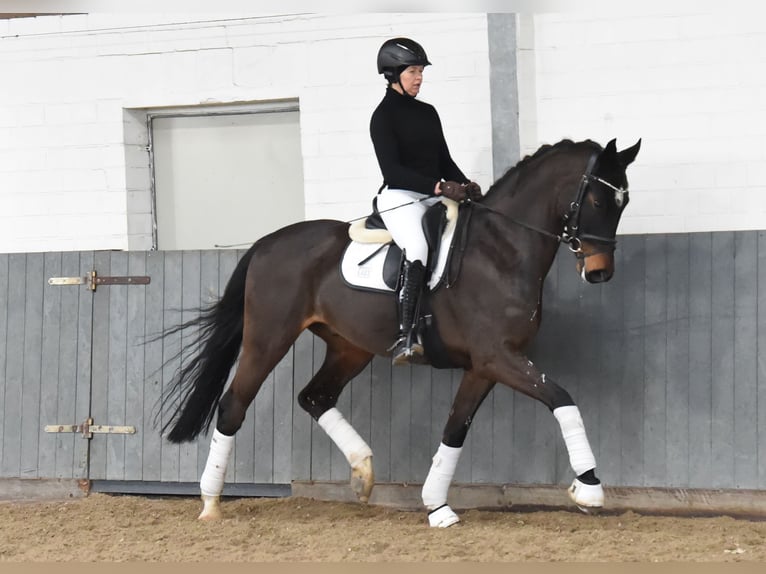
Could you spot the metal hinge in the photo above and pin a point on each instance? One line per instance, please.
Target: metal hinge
(88, 428)
(92, 280)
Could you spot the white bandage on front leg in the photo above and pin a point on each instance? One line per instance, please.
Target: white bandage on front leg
(572, 428)
(437, 482)
(344, 436)
(211, 483)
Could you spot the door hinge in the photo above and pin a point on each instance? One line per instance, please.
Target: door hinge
(92, 280)
(87, 429)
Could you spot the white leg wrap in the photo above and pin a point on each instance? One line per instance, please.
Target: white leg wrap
(211, 483)
(580, 455)
(440, 476)
(343, 434)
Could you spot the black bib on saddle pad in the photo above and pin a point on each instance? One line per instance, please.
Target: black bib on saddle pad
(377, 267)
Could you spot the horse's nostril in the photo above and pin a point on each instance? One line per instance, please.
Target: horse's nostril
(598, 276)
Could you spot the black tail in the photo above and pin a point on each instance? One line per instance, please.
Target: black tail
(197, 387)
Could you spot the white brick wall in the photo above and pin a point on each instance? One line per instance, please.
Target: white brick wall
(73, 169)
(692, 86)
(74, 173)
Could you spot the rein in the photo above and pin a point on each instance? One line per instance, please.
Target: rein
(571, 234)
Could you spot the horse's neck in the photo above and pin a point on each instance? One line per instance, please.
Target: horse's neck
(540, 195)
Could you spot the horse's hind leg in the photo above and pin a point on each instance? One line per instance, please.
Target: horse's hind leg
(343, 361)
(256, 361)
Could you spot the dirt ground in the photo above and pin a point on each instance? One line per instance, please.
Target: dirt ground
(133, 528)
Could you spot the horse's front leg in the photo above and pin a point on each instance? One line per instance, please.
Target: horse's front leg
(518, 372)
(469, 396)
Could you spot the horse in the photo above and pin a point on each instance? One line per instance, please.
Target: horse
(569, 192)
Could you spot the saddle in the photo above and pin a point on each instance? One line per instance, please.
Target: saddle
(373, 262)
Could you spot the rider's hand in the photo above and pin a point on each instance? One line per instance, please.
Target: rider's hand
(453, 190)
(473, 191)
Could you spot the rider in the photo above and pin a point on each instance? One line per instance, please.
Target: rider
(414, 159)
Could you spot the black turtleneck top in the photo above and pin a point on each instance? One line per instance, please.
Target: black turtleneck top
(409, 144)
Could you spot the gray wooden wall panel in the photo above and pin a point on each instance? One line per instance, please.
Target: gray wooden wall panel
(746, 354)
(4, 291)
(761, 363)
(700, 366)
(664, 361)
(14, 367)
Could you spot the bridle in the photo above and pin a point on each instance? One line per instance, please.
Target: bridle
(572, 235)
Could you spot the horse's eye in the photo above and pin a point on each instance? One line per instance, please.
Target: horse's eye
(597, 203)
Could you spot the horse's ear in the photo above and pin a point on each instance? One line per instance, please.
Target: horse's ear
(611, 148)
(627, 156)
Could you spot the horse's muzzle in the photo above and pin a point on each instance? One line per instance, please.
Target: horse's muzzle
(597, 267)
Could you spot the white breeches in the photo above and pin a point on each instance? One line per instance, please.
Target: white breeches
(405, 223)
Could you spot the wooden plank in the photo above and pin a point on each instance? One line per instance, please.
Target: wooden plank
(483, 448)
(227, 262)
(655, 361)
(380, 417)
(85, 365)
(700, 366)
(67, 398)
(401, 412)
(722, 355)
(322, 448)
(760, 452)
(360, 392)
(745, 360)
(284, 414)
(49, 371)
(135, 375)
(463, 470)
(153, 418)
(303, 425)
(14, 367)
(100, 373)
(210, 291)
(171, 349)
(4, 290)
(632, 380)
(420, 447)
(31, 425)
(543, 352)
(190, 303)
(611, 345)
(677, 366)
(263, 436)
(117, 374)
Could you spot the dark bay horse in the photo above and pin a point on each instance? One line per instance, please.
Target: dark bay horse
(289, 281)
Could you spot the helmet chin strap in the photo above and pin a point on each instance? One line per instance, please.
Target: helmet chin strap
(403, 92)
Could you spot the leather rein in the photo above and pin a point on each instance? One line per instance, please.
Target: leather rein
(572, 235)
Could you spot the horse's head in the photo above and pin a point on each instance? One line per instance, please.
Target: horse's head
(592, 221)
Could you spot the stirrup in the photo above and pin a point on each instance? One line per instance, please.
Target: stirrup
(405, 350)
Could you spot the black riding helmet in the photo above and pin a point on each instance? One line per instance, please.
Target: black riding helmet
(398, 53)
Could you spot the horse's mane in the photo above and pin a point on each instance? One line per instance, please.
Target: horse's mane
(545, 149)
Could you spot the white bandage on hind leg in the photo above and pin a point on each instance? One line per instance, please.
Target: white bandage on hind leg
(440, 476)
(344, 436)
(572, 428)
(211, 483)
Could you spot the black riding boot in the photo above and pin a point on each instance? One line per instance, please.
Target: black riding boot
(407, 347)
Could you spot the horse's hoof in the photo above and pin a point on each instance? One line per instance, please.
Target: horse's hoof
(211, 509)
(363, 479)
(442, 517)
(588, 497)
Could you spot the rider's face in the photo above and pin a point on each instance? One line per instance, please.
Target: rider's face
(411, 79)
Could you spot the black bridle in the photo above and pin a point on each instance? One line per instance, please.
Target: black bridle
(572, 235)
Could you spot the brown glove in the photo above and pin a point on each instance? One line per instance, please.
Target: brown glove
(453, 190)
(473, 191)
